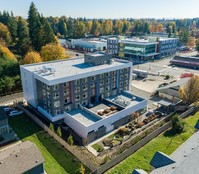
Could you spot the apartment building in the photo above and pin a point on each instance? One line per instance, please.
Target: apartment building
(89, 94)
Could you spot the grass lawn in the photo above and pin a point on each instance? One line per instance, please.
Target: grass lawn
(165, 142)
(97, 147)
(57, 159)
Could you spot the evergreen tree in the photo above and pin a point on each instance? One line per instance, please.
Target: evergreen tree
(34, 26)
(12, 25)
(23, 42)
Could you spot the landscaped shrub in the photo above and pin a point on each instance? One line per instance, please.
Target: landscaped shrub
(107, 142)
(98, 147)
(123, 131)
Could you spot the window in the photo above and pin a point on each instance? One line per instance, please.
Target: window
(77, 89)
(85, 87)
(122, 70)
(101, 90)
(84, 80)
(57, 112)
(84, 103)
(49, 104)
(107, 81)
(56, 95)
(68, 108)
(66, 92)
(92, 85)
(48, 87)
(77, 82)
(107, 74)
(126, 69)
(48, 95)
(57, 104)
(121, 84)
(77, 105)
(44, 92)
(66, 84)
(114, 92)
(107, 88)
(92, 92)
(56, 87)
(85, 95)
(101, 83)
(44, 85)
(44, 100)
(113, 86)
(114, 72)
(93, 78)
(67, 100)
(114, 79)
(101, 76)
(77, 97)
(121, 77)
(126, 75)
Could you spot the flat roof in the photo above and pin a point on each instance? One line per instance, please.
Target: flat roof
(71, 68)
(125, 100)
(20, 158)
(138, 42)
(83, 117)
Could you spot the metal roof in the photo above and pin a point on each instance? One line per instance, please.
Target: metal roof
(139, 171)
(160, 159)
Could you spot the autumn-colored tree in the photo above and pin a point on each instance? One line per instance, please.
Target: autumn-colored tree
(32, 57)
(189, 93)
(82, 169)
(191, 42)
(6, 53)
(52, 52)
(5, 33)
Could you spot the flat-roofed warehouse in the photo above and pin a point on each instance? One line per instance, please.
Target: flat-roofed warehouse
(189, 62)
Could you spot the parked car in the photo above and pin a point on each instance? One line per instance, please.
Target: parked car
(15, 113)
(160, 114)
(149, 113)
(7, 109)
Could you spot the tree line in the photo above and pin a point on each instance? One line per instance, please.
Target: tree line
(35, 39)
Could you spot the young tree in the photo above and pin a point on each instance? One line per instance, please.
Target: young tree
(70, 140)
(177, 124)
(191, 42)
(59, 133)
(52, 52)
(32, 57)
(23, 42)
(51, 127)
(189, 93)
(82, 169)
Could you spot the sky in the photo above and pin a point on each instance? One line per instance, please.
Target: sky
(106, 8)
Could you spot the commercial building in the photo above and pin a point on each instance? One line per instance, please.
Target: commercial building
(4, 127)
(89, 44)
(91, 95)
(21, 158)
(189, 62)
(139, 50)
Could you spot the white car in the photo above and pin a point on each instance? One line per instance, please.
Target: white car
(15, 113)
(7, 109)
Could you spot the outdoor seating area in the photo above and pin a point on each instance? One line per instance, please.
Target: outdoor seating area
(107, 111)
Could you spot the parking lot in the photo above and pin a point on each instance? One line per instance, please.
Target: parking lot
(158, 70)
